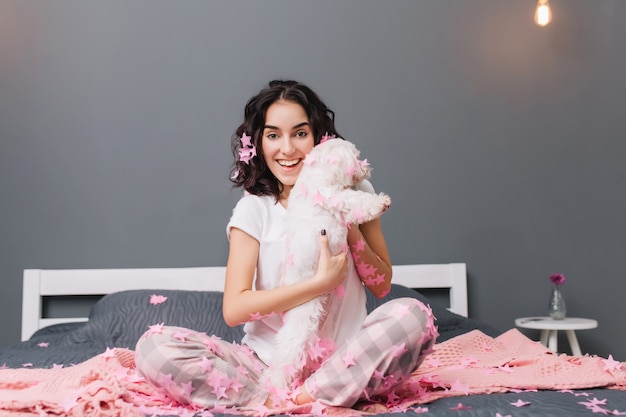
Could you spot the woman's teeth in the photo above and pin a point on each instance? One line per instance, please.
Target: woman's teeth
(288, 163)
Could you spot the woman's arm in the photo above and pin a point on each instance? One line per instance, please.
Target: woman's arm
(371, 257)
(242, 304)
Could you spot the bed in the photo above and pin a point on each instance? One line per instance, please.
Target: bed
(127, 301)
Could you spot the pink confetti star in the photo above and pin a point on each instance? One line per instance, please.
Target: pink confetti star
(157, 299)
(43, 344)
(318, 199)
(399, 350)
(520, 403)
(422, 306)
(365, 270)
(165, 380)
(235, 385)
(326, 137)
(186, 389)
(256, 316)
(611, 364)
(212, 343)
(316, 350)
(598, 409)
(460, 406)
(378, 279)
(458, 386)
(156, 328)
(379, 375)
(217, 379)
(206, 365)
(359, 246)
(220, 392)
(246, 140)
(370, 281)
(392, 398)
(420, 410)
(181, 335)
(246, 154)
(247, 351)
(335, 201)
(109, 353)
(348, 360)
(358, 216)
(593, 402)
(402, 311)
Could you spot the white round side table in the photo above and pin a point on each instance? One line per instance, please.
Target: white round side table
(549, 328)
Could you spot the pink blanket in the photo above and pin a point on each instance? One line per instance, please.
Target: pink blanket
(473, 363)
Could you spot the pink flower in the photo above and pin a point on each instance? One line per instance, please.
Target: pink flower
(557, 279)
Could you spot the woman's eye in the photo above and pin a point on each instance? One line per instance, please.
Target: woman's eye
(301, 134)
(271, 136)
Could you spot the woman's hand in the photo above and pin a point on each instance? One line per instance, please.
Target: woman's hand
(242, 303)
(331, 269)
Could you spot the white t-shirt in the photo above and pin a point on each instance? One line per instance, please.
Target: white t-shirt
(266, 220)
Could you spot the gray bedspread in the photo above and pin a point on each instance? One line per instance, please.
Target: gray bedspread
(119, 319)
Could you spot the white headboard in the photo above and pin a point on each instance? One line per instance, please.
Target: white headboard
(40, 283)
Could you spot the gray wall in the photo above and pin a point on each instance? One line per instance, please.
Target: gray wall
(501, 143)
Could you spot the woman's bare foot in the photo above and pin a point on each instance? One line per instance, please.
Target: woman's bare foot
(303, 397)
(374, 408)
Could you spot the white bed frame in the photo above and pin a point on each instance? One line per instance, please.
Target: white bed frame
(40, 283)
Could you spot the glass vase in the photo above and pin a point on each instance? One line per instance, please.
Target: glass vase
(557, 304)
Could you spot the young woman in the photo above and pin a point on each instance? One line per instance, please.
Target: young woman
(369, 354)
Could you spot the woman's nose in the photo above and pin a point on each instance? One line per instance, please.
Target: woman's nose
(286, 146)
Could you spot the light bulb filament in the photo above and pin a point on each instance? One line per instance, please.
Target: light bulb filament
(543, 14)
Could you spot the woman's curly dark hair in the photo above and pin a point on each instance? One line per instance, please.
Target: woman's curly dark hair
(254, 176)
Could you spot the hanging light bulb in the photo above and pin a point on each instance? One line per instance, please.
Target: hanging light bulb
(543, 14)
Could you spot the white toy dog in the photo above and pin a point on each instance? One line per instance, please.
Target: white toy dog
(322, 198)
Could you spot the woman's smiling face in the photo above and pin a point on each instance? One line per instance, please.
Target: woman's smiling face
(287, 138)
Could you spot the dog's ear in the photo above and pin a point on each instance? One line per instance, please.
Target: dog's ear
(360, 168)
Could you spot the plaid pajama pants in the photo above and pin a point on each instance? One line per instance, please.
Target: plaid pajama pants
(191, 367)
